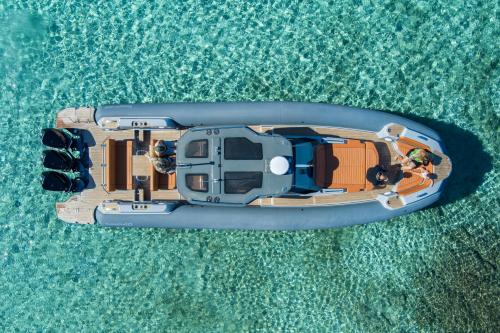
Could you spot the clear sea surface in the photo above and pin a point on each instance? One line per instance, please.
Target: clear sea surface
(436, 62)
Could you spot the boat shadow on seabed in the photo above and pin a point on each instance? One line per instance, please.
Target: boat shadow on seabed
(470, 161)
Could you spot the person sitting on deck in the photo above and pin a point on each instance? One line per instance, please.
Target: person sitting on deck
(381, 176)
(415, 163)
(162, 162)
(415, 158)
(424, 173)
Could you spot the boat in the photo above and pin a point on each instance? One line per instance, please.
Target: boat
(256, 165)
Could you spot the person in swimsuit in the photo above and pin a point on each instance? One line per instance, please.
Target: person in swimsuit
(415, 163)
(424, 173)
(415, 158)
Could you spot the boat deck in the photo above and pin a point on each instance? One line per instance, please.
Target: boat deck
(80, 207)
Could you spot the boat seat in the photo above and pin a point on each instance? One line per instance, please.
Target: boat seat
(324, 165)
(160, 181)
(345, 165)
(411, 183)
(119, 165)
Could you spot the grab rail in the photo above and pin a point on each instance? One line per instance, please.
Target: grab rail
(103, 167)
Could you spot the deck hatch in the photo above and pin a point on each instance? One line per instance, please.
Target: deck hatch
(242, 149)
(241, 182)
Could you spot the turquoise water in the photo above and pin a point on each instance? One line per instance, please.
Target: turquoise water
(432, 271)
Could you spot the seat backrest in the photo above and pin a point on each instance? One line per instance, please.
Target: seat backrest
(323, 171)
(154, 173)
(129, 170)
(110, 174)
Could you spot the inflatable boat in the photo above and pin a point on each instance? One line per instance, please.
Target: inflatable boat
(266, 166)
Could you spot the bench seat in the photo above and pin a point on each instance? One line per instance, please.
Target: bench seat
(118, 174)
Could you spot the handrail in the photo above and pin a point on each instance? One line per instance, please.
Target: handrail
(103, 166)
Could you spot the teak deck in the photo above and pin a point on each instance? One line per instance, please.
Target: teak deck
(80, 207)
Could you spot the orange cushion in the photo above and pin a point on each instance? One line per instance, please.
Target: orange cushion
(344, 165)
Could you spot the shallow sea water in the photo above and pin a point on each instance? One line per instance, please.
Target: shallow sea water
(432, 271)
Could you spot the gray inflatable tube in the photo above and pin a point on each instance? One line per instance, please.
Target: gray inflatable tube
(263, 218)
